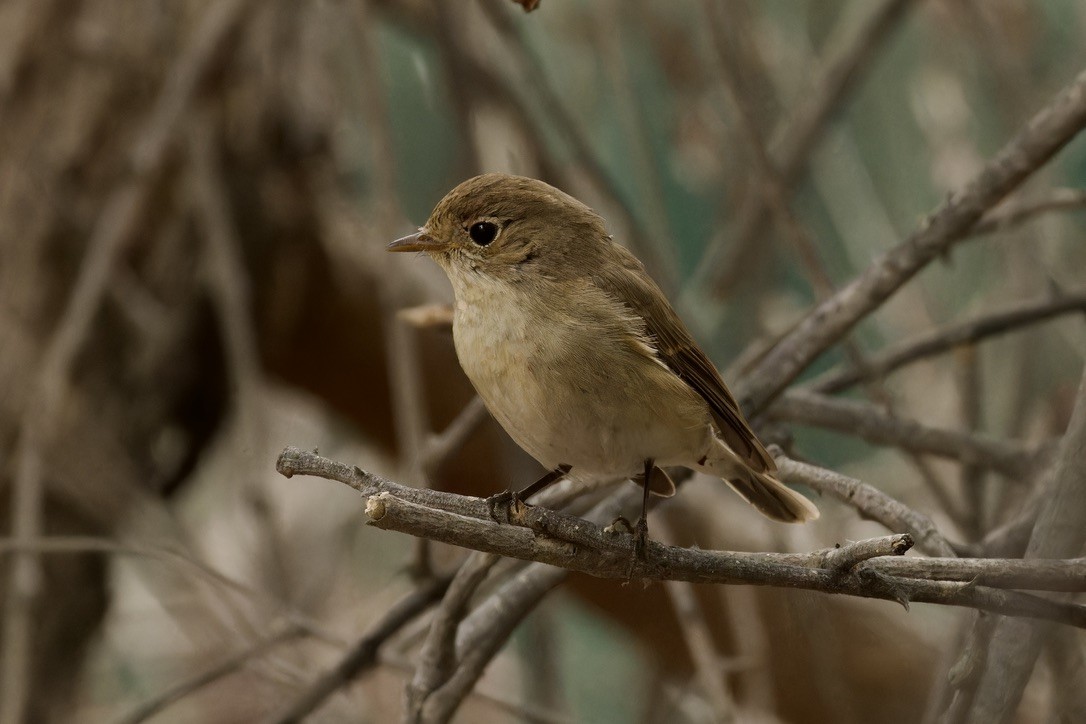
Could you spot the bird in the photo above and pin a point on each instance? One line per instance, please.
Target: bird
(579, 356)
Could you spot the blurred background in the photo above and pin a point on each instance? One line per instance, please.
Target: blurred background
(195, 196)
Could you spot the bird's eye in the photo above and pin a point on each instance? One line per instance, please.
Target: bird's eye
(483, 232)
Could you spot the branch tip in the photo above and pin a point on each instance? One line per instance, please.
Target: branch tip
(376, 507)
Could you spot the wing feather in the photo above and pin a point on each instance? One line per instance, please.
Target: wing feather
(628, 282)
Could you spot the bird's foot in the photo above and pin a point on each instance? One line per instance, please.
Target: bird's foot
(619, 525)
(640, 532)
(641, 539)
(507, 499)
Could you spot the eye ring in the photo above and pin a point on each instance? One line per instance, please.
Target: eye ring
(483, 232)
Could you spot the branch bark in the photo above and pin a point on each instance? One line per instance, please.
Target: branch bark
(1059, 531)
(546, 536)
(946, 338)
(1045, 134)
(1012, 458)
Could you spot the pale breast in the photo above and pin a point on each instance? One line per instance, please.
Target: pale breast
(574, 387)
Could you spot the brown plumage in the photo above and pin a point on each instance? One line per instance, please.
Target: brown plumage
(577, 352)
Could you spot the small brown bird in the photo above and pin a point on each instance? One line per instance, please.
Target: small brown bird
(577, 353)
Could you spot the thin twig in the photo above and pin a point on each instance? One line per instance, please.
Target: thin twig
(801, 240)
(442, 446)
(364, 654)
(698, 637)
(1045, 134)
(437, 660)
(502, 701)
(229, 288)
(1058, 532)
(214, 673)
(200, 571)
(869, 501)
(1016, 211)
(482, 634)
(842, 75)
(845, 558)
(1061, 574)
(563, 122)
(944, 339)
(1015, 459)
(485, 631)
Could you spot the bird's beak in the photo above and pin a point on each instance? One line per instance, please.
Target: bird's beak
(419, 241)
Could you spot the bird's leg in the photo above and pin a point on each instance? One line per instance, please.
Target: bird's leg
(641, 531)
(507, 497)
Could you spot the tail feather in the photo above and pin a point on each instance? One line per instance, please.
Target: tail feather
(773, 498)
(770, 496)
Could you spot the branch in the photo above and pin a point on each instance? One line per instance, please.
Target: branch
(573, 543)
(437, 660)
(210, 675)
(113, 228)
(1045, 134)
(1055, 574)
(1059, 531)
(722, 264)
(946, 338)
(1015, 211)
(480, 636)
(869, 501)
(1012, 458)
(561, 121)
(363, 655)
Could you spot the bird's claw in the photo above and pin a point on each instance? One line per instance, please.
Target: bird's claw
(641, 539)
(640, 531)
(507, 499)
(619, 525)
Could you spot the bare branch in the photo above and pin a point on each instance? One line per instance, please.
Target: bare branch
(1014, 459)
(363, 655)
(565, 124)
(1045, 134)
(869, 501)
(112, 230)
(946, 338)
(440, 447)
(437, 660)
(1016, 211)
(697, 634)
(1058, 531)
(576, 544)
(187, 563)
(212, 674)
(484, 632)
(802, 133)
(845, 558)
(1060, 574)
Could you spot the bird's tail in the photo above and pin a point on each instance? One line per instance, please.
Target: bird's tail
(769, 495)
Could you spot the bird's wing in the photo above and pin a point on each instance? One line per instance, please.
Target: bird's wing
(628, 282)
